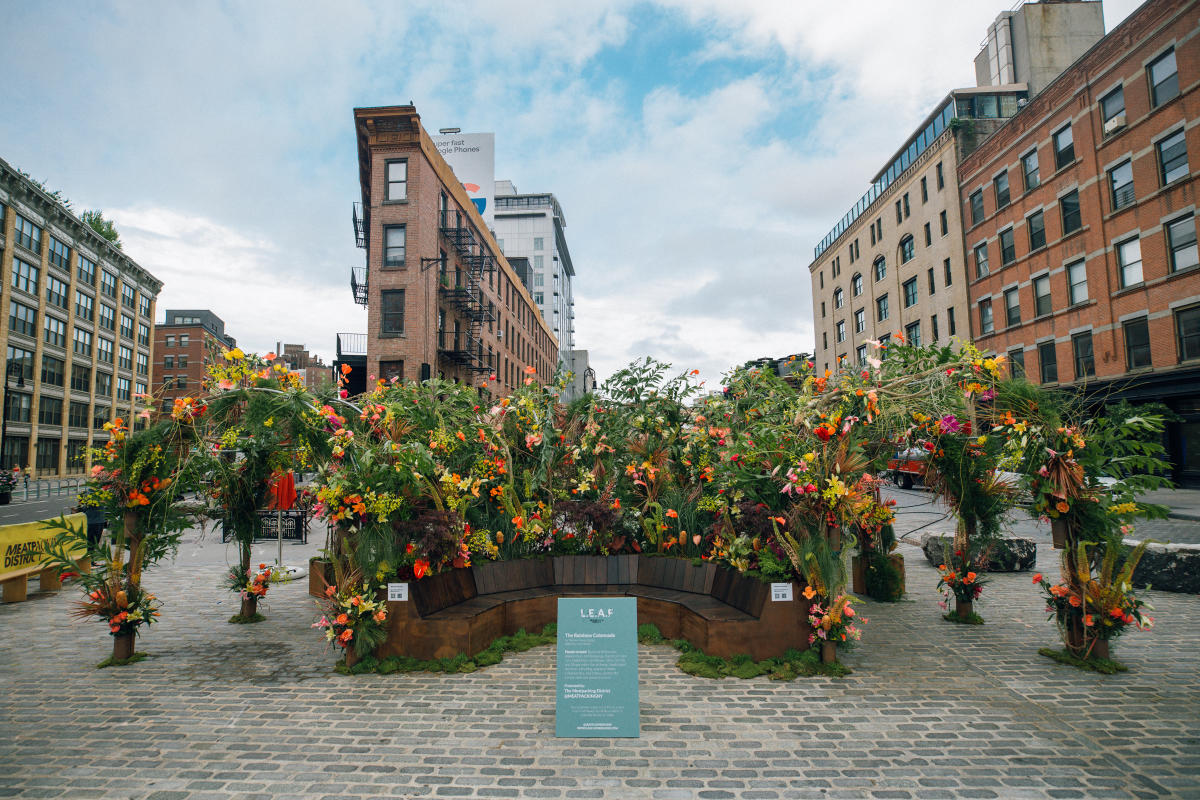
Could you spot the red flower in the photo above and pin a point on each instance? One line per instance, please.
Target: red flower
(420, 568)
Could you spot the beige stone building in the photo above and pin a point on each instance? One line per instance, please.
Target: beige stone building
(894, 264)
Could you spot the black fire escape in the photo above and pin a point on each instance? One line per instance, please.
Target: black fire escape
(358, 275)
(463, 289)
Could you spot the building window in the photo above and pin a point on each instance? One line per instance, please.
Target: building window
(1041, 296)
(181, 381)
(184, 340)
(941, 178)
(906, 209)
(1137, 343)
(841, 331)
(950, 321)
(910, 292)
(1085, 362)
(104, 350)
(856, 285)
(170, 341)
(143, 334)
(1016, 363)
(393, 245)
(393, 311)
(108, 318)
(28, 235)
(128, 296)
(1172, 157)
(84, 308)
(20, 362)
(22, 319)
(928, 235)
(1002, 193)
(948, 277)
(1187, 325)
(143, 364)
(144, 305)
(986, 324)
(924, 190)
(839, 298)
(25, 276)
(932, 285)
(824, 340)
(880, 268)
(81, 378)
(977, 207)
(82, 342)
(59, 254)
(1164, 79)
(1077, 281)
(77, 415)
(1069, 205)
(1112, 104)
(539, 243)
(19, 407)
(54, 370)
(1012, 308)
(1008, 247)
(860, 321)
(1048, 362)
(103, 384)
(943, 223)
(85, 269)
(108, 284)
(397, 180)
(55, 331)
(933, 329)
(50, 411)
(1036, 224)
(1120, 184)
(124, 357)
(100, 416)
(127, 326)
(907, 249)
(123, 391)
(912, 332)
(1064, 148)
(1181, 242)
(47, 450)
(861, 353)
(881, 308)
(899, 213)
(389, 370)
(1129, 259)
(1029, 170)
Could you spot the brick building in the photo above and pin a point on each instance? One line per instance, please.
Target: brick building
(184, 345)
(315, 373)
(441, 298)
(79, 338)
(1081, 230)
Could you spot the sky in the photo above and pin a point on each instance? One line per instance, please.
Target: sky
(699, 148)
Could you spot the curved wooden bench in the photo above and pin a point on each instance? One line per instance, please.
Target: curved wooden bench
(717, 610)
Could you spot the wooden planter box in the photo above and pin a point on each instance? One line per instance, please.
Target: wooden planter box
(320, 575)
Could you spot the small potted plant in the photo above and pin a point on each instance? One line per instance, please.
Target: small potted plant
(833, 624)
(353, 617)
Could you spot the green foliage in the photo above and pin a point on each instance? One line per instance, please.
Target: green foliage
(519, 642)
(883, 579)
(238, 619)
(970, 619)
(1105, 666)
(649, 634)
(105, 227)
(121, 662)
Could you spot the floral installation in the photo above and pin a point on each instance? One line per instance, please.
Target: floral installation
(961, 578)
(352, 618)
(252, 582)
(836, 622)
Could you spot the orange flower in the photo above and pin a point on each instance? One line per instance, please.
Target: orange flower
(462, 437)
(970, 577)
(1074, 601)
(1062, 507)
(672, 513)
(808, 593)
(380, 616)
(616, 502)
(1037, 578)
(342, 619)
(1088, 620)
(345, 637)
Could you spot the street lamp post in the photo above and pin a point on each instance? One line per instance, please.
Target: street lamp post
(8, 371)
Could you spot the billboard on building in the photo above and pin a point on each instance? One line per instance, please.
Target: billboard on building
(472, 156)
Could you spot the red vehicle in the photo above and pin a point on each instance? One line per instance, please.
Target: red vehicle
(908, 467)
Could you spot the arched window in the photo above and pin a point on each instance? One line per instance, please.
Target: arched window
(907, 249)
(838, 298)
(856, 284)
(880, 268)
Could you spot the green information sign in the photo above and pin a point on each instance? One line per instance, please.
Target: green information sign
(597, 667)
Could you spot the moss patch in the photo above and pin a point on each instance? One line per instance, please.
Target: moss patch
(787, 667)
(519, 642)
(973, 619)
(1103, 665)
(238, 619)
(120, 662)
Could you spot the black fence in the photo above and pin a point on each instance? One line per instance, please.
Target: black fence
(295, 526)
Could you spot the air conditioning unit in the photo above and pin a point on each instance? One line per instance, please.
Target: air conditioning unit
(500, 333)
(1115, 124)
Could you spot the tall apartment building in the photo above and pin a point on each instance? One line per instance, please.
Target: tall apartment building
(185, 344)
(530, 226)
(895, 262)
(79, 338)
(1081, 221)
(441, 297)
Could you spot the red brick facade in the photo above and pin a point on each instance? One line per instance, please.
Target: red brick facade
(1118, 309)
(444, 238)
(181, 353)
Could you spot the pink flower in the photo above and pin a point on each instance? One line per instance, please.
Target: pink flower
(225, 383)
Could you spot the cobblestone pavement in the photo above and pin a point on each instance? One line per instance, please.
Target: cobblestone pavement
(932, 710)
